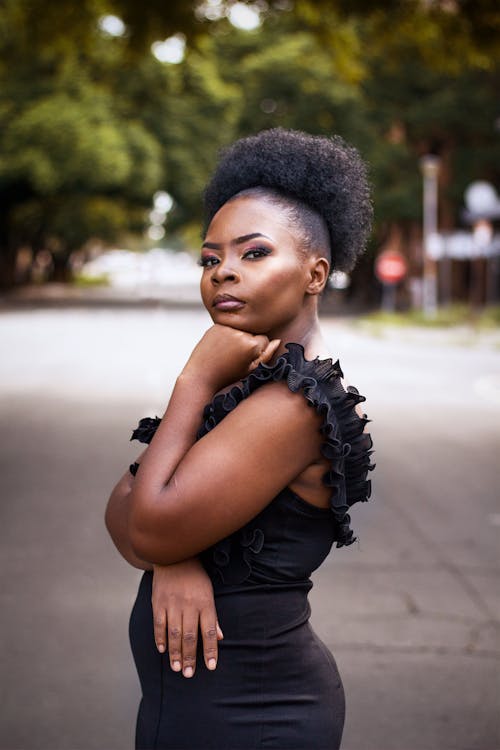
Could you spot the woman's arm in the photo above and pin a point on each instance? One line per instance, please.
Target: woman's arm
(117, 520)
(187, 494)
(183, 598)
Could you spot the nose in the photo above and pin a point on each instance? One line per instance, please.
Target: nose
(223, 272)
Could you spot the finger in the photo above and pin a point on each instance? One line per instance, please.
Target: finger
(208, 627)
(270, 349)
(259, 344)
(175, 640)
(266, 352)
(159, 626)
(189, 643)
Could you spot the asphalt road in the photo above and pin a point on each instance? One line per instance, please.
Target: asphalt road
(411, 612)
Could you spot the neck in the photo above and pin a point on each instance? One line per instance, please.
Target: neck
(304, 330)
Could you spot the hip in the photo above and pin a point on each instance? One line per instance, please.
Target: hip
(267, 633)
(274, 687)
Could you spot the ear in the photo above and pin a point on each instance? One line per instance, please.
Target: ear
(319, 269)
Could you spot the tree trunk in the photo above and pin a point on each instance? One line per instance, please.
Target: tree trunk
(7, 267)
(61, 269)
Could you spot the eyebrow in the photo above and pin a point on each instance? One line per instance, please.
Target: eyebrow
(237, 241)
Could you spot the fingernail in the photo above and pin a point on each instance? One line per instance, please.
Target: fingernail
(176, 666)
(212, 663)
(161, 648)
(188, 672)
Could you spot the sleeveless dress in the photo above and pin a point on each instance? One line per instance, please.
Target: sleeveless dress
(276, 684)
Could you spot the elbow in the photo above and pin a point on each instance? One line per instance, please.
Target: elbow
(107, 520)
(112, 520)
(147, 547)
(140, 542)
(117, 505)
(151, 536)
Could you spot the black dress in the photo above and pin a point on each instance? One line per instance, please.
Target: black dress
(276, 684)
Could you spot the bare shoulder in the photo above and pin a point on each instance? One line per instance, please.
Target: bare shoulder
(272, 423)
(274, 403)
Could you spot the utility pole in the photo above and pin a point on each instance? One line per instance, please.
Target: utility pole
(429, 165)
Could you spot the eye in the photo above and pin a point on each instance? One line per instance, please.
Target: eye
(207, 261)
(254, 253)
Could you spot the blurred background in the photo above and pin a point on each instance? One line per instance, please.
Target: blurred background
(112, 114)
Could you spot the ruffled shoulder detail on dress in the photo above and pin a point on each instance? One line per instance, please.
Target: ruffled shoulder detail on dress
(346, 446)
(145, 430)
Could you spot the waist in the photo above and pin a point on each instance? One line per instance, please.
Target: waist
(262, 611)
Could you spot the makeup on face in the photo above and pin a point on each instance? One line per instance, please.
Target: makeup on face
(254, 276)
(253, 252)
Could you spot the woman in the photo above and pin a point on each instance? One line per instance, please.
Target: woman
(247, 480)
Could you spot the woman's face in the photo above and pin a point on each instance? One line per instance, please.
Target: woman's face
(254, 275)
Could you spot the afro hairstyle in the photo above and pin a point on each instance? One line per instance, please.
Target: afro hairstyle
(322, 173)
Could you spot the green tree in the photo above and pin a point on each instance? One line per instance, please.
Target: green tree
(71, 167)
(191, 111)
(454, 32)
(395, 102)
(93, 125)
(89, 133)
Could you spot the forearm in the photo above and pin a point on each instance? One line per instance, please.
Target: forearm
(153, 499)
(171, 517)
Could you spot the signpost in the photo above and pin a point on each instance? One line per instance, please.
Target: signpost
(390, 268)
(482, 208)
(430, 164)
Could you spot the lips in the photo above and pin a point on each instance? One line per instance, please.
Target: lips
(227, 302)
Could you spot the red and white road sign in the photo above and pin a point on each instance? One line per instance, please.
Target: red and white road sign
(391, 267)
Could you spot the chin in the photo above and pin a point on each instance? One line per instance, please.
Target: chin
(232, 320)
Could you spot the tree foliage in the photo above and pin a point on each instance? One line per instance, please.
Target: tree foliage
(93, 124)
(454, 27)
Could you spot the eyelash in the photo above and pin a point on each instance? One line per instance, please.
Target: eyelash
(206, 262)
(262, 252)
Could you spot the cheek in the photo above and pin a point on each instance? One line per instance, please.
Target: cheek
(204, 285)
(284, 285)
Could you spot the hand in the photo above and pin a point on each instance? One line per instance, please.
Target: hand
(183, 602)
(225, 355)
